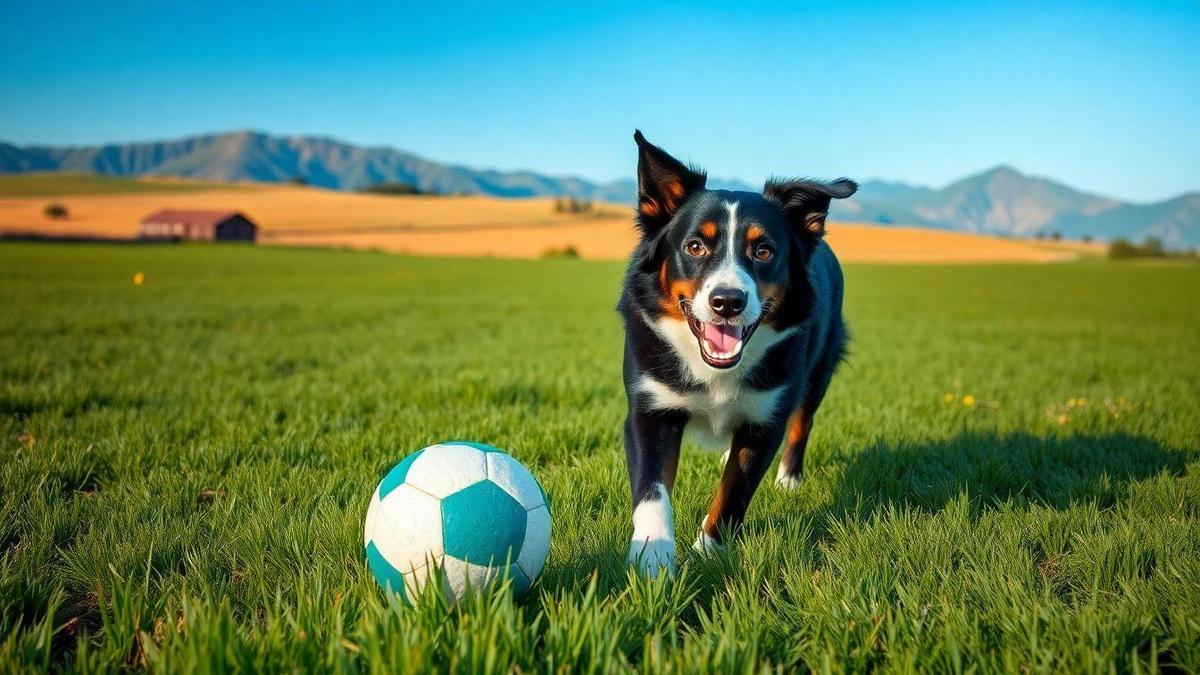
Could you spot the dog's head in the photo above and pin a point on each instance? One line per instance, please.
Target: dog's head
(725, 262)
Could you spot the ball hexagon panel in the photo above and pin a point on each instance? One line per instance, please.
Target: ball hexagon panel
(446, 468)
(516, 480)
(387, 576)
(407, 529)
(397, 475)
(537, 542)
(459, 576)
(483, 524)
(416, 580)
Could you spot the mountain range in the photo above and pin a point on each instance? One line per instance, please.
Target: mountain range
(1000, 200)
(1004, 201)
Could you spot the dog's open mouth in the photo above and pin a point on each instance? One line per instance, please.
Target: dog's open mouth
(721, 344)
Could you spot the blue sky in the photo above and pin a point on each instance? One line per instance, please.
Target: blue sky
(1104, 96)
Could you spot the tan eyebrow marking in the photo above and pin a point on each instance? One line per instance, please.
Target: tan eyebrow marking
(708, 229)
(754, 233)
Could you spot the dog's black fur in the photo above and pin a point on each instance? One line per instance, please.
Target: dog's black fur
(696, 355)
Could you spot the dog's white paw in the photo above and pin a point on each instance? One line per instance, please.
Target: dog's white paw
(785, 481)
(705, 544)
(650, 556)
(653, 545)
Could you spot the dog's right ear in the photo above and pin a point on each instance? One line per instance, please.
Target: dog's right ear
(805, 202)
(664, 183)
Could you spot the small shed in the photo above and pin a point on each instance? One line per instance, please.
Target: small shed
(199, 225)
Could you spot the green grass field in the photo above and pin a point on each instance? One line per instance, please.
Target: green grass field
(188, 462)
(54, 184)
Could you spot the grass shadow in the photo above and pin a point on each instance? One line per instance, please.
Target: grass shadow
(992, 469)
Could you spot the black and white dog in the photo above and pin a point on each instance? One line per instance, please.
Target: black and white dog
(733, 328)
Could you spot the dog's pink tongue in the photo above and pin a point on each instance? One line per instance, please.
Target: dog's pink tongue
(722, 336)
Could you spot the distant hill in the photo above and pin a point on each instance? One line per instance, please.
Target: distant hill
(1004, 201)
(999, 201)
(323, 162)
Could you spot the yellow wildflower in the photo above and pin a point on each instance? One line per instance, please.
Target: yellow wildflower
(139, 279)
(968, 400)
(948, 397)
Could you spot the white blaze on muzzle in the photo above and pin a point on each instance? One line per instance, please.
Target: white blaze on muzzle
(729, 274)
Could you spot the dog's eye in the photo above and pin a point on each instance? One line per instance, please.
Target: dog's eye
(696, 248)
(763, 252)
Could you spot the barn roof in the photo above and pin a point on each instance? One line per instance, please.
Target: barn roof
(190, 216)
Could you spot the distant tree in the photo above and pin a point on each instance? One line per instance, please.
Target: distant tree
(573, 205)
(1039, 235)
(1122, 248)
(56, 211)
(568, 251)
(1153, 247)
(1056, 235)
(1087, 238)
(298, 180)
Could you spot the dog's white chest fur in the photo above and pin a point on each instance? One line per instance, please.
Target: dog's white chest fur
(722, 401)
(716, 409)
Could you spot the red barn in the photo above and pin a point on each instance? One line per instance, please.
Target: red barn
(198, 225)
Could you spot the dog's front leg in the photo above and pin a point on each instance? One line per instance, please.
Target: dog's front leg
(751, 452)
(652, 441)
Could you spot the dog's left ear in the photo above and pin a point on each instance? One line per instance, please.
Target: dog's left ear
(663, 185)
(805, 203)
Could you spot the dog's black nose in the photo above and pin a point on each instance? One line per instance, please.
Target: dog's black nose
(727, 302)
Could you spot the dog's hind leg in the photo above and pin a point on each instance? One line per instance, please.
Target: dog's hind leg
(750, 456)
(791, 464)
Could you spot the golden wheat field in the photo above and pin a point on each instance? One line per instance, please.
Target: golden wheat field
(465, 226)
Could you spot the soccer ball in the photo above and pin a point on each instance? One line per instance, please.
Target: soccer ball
(466, 513)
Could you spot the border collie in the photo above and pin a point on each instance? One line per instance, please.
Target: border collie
(733, 328)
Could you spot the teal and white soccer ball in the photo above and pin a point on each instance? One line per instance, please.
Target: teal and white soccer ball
(467, 509)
